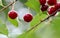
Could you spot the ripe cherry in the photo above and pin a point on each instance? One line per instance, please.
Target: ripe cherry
(52, 11)
(28, 17)
(44, 7)
(42, 2)
(57, 6)
(12, 14)
(52, 2)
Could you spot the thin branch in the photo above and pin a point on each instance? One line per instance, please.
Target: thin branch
(41, 22)
(7, 6)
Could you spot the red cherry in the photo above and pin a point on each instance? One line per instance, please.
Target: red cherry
(57, 6)
(44, 7)
(52, 2)
(52, 10)
(28, 17)
(12, 14)
(42, 2)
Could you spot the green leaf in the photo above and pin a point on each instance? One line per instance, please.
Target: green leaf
(3, 29)
(4, 2)
(45, 30)
(1, 3)
(36, 33)
(23, 1)
(34, 4)
(50, 29)
(13, 21)
(37, 19)
(55, 25)
(1, 7)
(44, 12)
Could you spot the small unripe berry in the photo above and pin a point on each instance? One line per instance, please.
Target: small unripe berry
(44, 7)
(52, 10)
(42, 2)
(12, 14)
(28, 17)
(52, 2)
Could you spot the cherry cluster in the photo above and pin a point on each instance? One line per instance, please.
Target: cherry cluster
(13, 15)
(45, 4)
(53, 4)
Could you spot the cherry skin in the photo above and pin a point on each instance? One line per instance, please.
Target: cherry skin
(12, 14)
(52, 2)
(52, 11)
(28, 17)
(57, 6)
(42, 2)
(44, 7)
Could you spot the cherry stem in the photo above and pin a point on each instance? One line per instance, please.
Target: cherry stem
(13, 5)
(28, 10)
(7, 6)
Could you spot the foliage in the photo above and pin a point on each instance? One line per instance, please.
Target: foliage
(47, 29)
